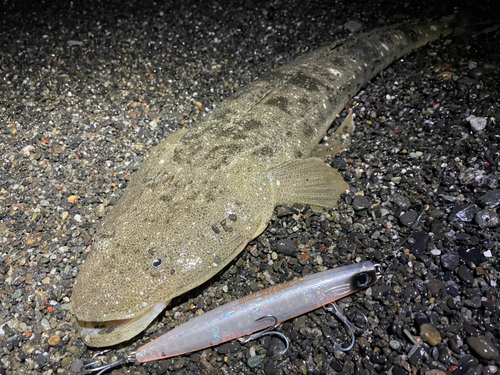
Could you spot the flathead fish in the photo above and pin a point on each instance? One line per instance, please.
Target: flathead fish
(204, 193)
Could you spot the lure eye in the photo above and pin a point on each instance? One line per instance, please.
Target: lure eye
(362, 279)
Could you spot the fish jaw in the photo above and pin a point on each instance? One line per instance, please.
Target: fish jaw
(102, 334)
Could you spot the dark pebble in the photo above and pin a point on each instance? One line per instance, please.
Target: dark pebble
(477, 73)
(465, 364)
(436, 214)
(450, 261)
(471, 254)
(452, 291)
(398, 371)
(271, 368)
(469, 328)
(465, 274)
(286, 247)
(475, 302)
(277, 346)
(230, 347)
(360, 202)
(408, 218)
(417, 356)
(445, 355)
(487, 219)
(162, 367)
(401, 201)
(41, 360)
(410, 293)
(417, 243)
(336, 365)
(491, 198)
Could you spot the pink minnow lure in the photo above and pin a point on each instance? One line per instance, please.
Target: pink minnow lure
(239, 318)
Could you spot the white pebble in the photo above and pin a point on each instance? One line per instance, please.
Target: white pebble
(488, 254)
(478, 123)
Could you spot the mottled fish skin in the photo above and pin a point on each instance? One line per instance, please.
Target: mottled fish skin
(202, 195)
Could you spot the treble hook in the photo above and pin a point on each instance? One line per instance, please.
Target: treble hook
(89, 368)
(268, 331)
(350, 326)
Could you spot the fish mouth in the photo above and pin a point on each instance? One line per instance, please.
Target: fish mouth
(108, 333)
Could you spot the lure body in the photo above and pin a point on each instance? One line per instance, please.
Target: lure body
(238, 318)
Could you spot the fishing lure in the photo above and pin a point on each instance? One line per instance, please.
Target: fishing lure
(264, 309)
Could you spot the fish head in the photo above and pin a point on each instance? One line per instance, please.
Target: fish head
(172, 230)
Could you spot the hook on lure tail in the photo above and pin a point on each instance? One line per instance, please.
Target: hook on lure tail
(101, 369)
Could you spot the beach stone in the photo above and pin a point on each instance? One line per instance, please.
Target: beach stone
(465, 274)
(450, 261)
(401, 201)
(430, 334)
(487, 219)
(463, 212)
(254, 361)
(286, 247)
(478, 123)
(483, 347)
(477, 73)
(435, 372)
(360, 203)
(408, 218)
(54, 340)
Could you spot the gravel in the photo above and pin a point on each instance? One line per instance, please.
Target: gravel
(88, 87)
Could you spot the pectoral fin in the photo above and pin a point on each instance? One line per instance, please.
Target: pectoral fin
(309, 181)
(337, 142)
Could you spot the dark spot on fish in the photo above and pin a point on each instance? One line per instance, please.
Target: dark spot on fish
(298, 154)
(251, 125)
(308, 131)
(229, 149)
(280, 102)
(217, 259)
(165, 198)
(215, 229)
(238, 135)
(157, 262)
(113, 256)
(264, 151)
(306, 82)
(337, 61)
(209, 196)
(110, 330)
(232, 217)
(172, 271)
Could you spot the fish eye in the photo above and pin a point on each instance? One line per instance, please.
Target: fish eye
(362, 279)
(157, 262)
